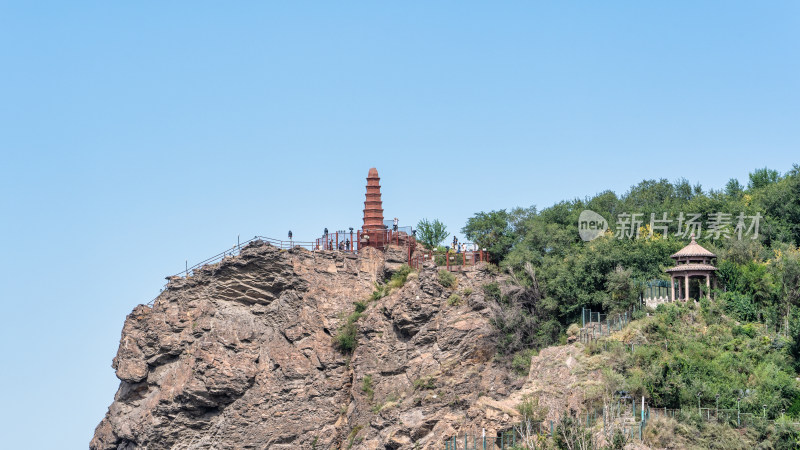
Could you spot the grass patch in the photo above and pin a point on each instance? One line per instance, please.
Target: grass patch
(366, 387)
(351, 438)
(447, 279)
(467, 292)
(425, 383)
(492, 291)
(346, 336)
(400, 277)
(454, 300)
(521, 363)
(388, 403)
(397, 281)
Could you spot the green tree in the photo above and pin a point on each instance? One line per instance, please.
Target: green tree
(733, 188)
(763, 177)
(621, 289)
(491, 231)
(431, 233)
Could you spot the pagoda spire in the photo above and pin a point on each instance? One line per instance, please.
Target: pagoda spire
(373, 206)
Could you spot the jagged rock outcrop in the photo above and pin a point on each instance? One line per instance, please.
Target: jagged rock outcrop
(240, 355)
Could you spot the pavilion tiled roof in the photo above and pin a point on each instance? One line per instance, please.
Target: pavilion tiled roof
(687, 267)
(693, 249)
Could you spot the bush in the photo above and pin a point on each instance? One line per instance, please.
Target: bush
(424, 383)
(454, 300)
(345, 338)
(738, 305)
(521, 363)
(467, 292)
(399, 278)
(530, 410)
(573, 330)
(447, 279)
(397, 281)
(492, 291)
(747, 329)
(360, 306)
(379, 292)
(366, 387)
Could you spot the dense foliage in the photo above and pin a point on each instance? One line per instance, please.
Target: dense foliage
(759, 278)
(744, 344)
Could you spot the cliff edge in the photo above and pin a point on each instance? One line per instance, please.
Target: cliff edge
(240, 355)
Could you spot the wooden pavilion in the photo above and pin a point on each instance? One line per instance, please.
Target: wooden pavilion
(692, 262)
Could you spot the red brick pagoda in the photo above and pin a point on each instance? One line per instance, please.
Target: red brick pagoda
(373, 206)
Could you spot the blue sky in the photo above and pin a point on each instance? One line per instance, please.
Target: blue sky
(136, 136)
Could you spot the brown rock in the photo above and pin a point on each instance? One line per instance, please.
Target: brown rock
(240, 355)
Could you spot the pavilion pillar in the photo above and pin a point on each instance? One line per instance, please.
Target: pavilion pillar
(708, 286)
(672, 285)
(686, 294)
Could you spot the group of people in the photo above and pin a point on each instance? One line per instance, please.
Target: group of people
(328, 244)
(461, 248)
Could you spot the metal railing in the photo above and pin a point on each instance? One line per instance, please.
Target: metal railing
(595, 324)
(235, 250)
(452, 261)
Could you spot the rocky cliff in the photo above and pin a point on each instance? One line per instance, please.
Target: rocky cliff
(240, 355)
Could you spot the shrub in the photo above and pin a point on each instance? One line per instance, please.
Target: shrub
(467, 292)
(399, 278)
(747, 329)
(360, 306)
(379, 292)
(366, 387)
(351, 437)
(397, 281)
(738, 305)
(454, 300)
(492, 291)
(447, 279)
(530, 409)
(573, 330)
(424, 383)
(521, 363)
(345, 338)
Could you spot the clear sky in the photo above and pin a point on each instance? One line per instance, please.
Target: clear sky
(138, 135)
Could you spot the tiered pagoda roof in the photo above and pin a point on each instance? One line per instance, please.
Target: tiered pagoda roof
(373, 206)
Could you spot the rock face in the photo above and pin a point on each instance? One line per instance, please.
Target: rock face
(240, 355)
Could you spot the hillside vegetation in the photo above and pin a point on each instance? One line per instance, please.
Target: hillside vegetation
(743, 345)
(759, 276)
(683, 353)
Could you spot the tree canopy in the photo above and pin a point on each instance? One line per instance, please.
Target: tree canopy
(431, 233)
